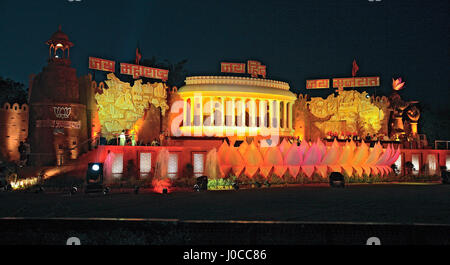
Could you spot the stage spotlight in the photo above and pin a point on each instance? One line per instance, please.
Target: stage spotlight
(73, 190)
(236, 186)
(164, 191)
(202, 182)
(196, 188)
(95, 167)
(337, 180)
(94, 173)
(106, 190)
(94, 178)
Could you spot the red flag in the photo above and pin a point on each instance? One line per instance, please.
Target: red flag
(138, 56)
(355, 68)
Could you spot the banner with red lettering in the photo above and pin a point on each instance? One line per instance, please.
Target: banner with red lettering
(138, 70)
(356, 82)
(238, 68)
(317, 84)
(101, 64)
(254, 68)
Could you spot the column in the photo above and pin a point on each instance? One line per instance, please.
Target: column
(284, 115)
(290, 115)
(223, 111)
(253, 113)
(211, 100)
(185, 112)
(277, 113)
(243, 112)
(233, 113)
(201, 111)
(270, 102)
(192, 111)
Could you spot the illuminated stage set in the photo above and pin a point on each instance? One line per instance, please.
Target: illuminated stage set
(230, 124)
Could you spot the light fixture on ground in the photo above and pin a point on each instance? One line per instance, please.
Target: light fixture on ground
(337, 180)
(94, 178)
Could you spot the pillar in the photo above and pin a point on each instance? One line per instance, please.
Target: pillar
(253, 108)
(270, 102)
(284, 115)
(290, 115)
(192, 111)
(211, 100)
(223, 111)
(277, 113)
(242, 112)
(233, 113)
(201, 111)
(185, 112)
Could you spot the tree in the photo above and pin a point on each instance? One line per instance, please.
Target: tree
(435, 123)
(12, 92)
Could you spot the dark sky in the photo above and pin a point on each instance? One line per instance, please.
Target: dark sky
(296, 40)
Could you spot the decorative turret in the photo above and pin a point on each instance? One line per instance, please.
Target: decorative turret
(59, 46)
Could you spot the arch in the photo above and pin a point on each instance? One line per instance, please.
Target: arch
(7, 106)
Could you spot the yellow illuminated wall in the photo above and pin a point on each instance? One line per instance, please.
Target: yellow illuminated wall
(121, 105)
(350, 111)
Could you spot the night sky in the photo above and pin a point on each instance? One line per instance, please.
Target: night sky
(296, 40)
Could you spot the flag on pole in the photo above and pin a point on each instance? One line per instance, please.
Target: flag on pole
(138, 55)
(355, 68)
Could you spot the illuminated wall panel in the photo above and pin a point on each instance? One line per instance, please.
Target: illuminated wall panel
(432, 163)
(145, 164)
(117, 165)
(198, 161)
(415, 160)
(172, 167)
(398, 163)
(447, 162)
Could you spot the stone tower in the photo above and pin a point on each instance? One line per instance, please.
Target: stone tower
(57, 128)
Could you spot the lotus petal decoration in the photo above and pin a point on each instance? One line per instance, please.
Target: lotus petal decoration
(243, 148)
(294, 159)
(312, 158)
(236, 161)
(360, 157)
(223, 158)
(253, 160)
(284, 147)
(308, 158)
(274, 158)
(397, 84)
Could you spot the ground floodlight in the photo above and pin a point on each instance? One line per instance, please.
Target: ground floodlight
(337, 180)
(95, 167)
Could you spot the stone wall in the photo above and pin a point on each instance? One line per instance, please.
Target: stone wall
(13, 129)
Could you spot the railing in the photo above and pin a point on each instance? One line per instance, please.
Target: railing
(436, 142)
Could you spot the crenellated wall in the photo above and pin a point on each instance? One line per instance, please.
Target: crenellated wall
(13, 129)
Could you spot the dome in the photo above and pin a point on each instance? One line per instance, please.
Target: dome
(60, 37)
(236, 86)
